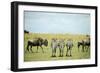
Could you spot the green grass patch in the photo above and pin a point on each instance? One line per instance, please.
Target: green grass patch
(46, 56)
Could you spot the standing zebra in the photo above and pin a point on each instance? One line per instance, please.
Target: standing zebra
(57, 44)
(61, 45)
(54, 46)
(69, 45)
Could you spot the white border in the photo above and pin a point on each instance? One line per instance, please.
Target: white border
(22, 64)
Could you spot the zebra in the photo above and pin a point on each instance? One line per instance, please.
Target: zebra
(54, 46)
(61, 45)
(69, 45)
(57, 44)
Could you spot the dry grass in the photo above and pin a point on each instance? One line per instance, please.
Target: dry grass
(28, 56)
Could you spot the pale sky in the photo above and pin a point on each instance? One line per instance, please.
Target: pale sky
(56, 22)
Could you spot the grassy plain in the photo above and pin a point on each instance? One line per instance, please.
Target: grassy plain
(46, 56)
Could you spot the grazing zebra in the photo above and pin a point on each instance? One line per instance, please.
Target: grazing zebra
(69, 45)
(37, 42)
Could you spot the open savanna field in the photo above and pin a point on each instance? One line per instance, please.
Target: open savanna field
(46, 56)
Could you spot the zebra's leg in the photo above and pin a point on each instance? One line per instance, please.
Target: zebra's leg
(42, 49)
(54, 52)
(60, 52)
(67, 51)
(70, 52)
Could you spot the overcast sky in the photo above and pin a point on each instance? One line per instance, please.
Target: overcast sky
(51, 22)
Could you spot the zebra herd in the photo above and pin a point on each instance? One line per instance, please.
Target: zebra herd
(58, 44)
